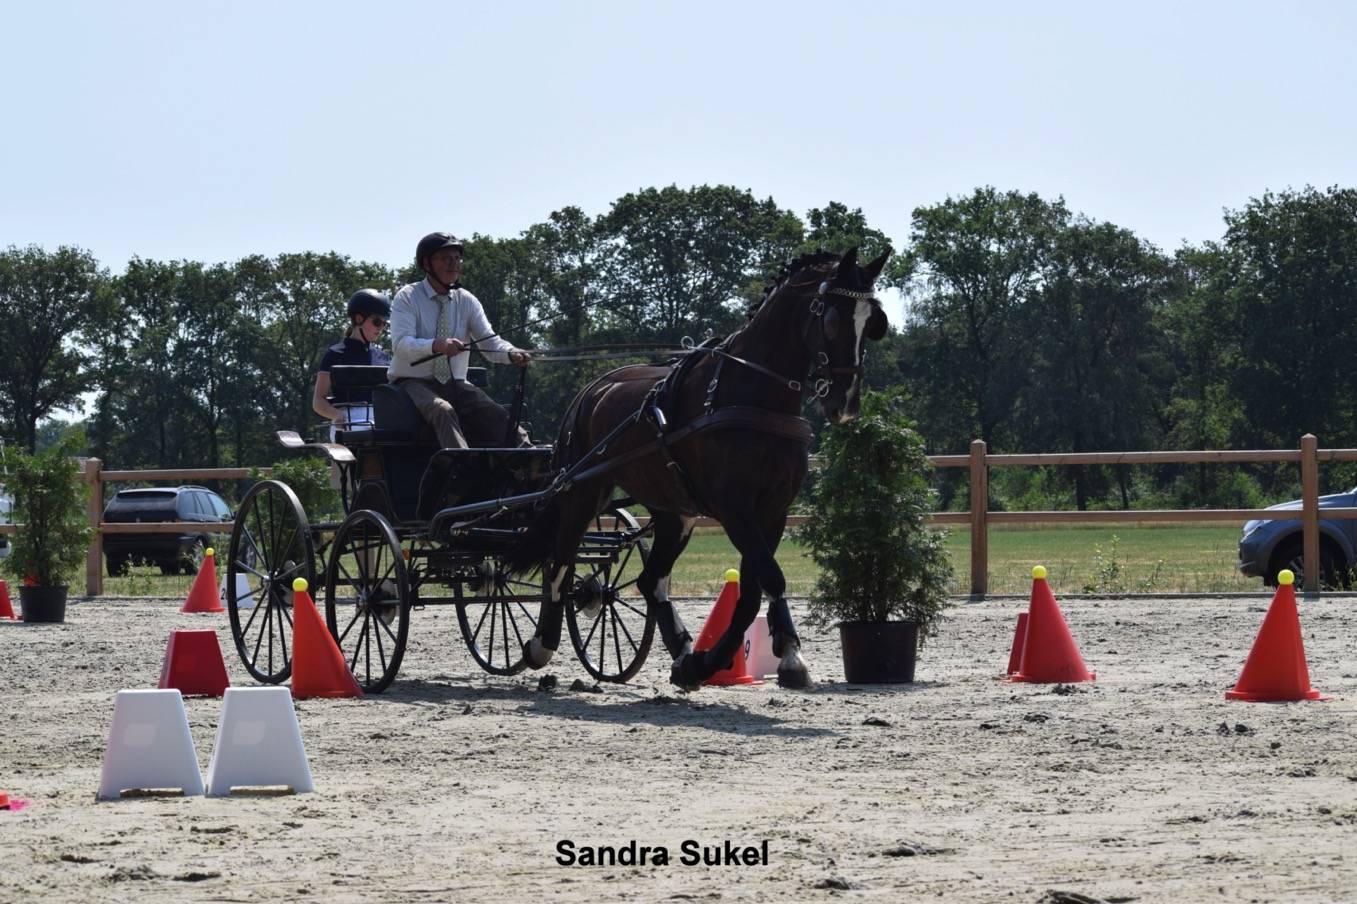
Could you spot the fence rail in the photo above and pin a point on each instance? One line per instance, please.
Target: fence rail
(979, 518)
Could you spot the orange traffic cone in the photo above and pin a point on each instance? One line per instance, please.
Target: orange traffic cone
(6, 608)
(204, 595)
(716, 625)
(1049, 653)
(1276, 669)
(1019, 637)
(318, 668)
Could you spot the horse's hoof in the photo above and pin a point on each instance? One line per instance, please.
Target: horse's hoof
(677, 677)
(794, 679)
(537, 655)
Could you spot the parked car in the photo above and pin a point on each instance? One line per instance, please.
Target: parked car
(175, 553)
(1269, 546)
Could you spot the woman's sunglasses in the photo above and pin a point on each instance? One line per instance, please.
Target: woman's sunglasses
(379, 321)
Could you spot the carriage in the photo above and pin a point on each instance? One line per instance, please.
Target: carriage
(428, 526)
(425, 526)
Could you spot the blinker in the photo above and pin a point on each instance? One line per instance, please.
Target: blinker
(831, 322)
(876, 324)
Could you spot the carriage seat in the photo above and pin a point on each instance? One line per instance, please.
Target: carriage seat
(393, 413)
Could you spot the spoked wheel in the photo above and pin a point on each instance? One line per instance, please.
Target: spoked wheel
(497, 618)
(270, 547)
(367, 598)
(611, 627)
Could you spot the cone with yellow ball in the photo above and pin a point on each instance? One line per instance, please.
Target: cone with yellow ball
(1049, 653)
(717, 622)
(205, 595)
(318, 668)
(1276, 670)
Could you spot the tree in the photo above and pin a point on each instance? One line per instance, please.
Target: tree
(1097, 369)
(53, 305)
(139, 414)
(970, 266)
(1286, 292)
(676, 261)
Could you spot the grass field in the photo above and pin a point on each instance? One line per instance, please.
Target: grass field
(1126, 559)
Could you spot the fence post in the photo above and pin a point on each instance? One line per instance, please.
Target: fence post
(979, 520)
(94, 559)
(1309, 492)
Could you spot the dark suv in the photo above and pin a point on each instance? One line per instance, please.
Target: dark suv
(174, 553)
(1269, 546)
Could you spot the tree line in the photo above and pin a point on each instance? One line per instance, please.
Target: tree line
(1028, 325)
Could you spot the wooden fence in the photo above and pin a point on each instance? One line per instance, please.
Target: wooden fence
(979, 518)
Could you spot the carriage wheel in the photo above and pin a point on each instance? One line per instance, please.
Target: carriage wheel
(611, 627)
(270, 547)
(367, 598)
(495, 621)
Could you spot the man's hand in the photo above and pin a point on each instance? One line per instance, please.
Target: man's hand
(451, 347)
(521, 358)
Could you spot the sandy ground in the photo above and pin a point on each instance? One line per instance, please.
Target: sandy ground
(1145, 785)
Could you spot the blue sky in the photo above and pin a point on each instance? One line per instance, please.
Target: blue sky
(212, 130)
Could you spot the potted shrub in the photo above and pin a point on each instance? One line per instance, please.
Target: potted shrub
(50, 547)
(883, 576)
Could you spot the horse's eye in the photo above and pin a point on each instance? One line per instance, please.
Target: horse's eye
(831, 323)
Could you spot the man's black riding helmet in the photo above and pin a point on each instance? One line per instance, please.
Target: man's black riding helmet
(369, 302)
(434, 241)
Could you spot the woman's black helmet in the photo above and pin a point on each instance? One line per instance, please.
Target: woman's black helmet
(434, 241)
(369, 302)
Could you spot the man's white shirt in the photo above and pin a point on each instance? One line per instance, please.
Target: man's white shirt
(414, 320)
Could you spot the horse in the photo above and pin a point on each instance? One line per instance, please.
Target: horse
(718, 434)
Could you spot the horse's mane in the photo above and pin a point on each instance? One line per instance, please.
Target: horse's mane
(815, 259)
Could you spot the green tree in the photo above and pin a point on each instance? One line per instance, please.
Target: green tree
(1286, 291)
(675, 261)
(1098, 374)
(53, 305)
(971, 264)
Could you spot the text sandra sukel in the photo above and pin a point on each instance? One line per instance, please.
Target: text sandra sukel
(690, 853)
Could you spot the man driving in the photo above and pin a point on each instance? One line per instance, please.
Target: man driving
(437, 317)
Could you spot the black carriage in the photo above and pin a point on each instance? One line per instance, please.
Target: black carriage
(423, 527)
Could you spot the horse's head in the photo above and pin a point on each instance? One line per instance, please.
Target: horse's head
(844, 316)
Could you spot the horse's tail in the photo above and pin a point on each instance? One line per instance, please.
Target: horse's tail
(536, 544)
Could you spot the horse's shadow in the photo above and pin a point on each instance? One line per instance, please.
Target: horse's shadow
(613, 705)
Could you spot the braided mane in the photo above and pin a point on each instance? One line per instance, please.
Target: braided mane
(822, 261)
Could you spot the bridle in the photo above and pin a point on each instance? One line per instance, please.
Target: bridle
(826, 316)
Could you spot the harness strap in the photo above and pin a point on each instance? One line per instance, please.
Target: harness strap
(734, 417)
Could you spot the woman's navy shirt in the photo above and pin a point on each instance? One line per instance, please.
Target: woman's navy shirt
(352, 351)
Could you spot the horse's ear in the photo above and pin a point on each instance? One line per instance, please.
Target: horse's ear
(848, 261)
(875, 267)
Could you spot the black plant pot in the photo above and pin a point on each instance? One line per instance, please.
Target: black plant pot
(43, 604)
(879, 652)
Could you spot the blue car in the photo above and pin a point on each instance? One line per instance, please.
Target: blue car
(1269, 546)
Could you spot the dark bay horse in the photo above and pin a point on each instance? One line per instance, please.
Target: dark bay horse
(720, 434)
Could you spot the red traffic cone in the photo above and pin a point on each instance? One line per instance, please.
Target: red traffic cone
(1019, 637)
(13, 804)
(6, 608)
(193, 664)
(204, 595)
(716, 625)
(318, 668)
(1276, 669)
(1049, 653)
